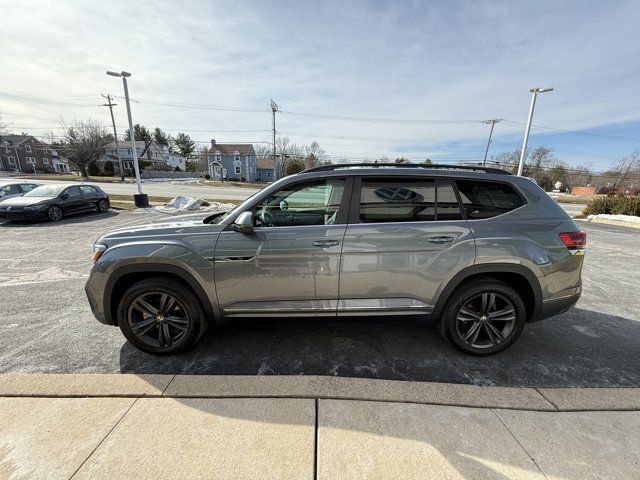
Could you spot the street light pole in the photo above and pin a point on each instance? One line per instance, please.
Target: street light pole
(493, 124)
(274, 109)
(140, 199)
(523, 153)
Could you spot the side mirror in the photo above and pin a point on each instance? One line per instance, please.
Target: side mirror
(244, 222)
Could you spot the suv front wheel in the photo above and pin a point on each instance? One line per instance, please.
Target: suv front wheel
(161, 316)
(483, 317)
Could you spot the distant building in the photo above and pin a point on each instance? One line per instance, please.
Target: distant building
(148, 151)
(27, 154)
(266, 170)
(234, 161)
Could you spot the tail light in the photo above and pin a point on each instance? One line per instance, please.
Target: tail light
(575, 241)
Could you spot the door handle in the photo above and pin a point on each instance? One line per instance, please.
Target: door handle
(442, 239)
(326, 243)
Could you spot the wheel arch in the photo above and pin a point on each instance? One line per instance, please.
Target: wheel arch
(523, 280)
(126, 275)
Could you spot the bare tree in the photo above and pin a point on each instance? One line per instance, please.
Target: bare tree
(83, 143)
(4, 127)
(626, 169)
(314, 155)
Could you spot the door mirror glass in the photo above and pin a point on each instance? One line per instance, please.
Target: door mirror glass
(244, 222)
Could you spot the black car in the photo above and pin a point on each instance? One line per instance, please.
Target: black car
(54, 202)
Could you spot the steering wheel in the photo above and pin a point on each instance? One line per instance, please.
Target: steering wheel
(266, 218)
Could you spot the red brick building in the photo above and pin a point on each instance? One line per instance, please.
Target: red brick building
(27, 154)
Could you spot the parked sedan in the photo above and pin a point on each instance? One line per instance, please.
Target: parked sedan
(54, 202)
(15, 189)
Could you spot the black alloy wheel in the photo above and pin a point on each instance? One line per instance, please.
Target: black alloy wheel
(54, 213)
(103, 206)
(483, 317)
(161, 316)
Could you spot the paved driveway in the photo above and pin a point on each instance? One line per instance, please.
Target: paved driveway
(46, 325)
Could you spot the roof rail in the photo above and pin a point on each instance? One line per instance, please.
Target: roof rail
(335, 166)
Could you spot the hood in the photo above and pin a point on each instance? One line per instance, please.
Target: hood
(155, 230)
(24, 201)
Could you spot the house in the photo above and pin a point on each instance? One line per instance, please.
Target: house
(266, 171)
(27, 154)
(232, 161)
(156, 156)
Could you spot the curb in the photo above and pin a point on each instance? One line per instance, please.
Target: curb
(338, 388)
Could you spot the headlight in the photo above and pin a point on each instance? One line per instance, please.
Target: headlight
(98, 250)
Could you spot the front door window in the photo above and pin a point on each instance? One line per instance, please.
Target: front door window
(315, 203)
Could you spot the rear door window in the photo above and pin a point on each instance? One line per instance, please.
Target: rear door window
(481, 199)
(88, 190)
(407, 200)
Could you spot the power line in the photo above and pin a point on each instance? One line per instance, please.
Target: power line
(576, 132)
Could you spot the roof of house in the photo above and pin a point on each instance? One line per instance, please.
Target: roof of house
(14, 139)
(231, 148)
(264, 163)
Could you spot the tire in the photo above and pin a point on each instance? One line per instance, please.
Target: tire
(146, 324)
(492, 308)
(54, 213)
(103, 206)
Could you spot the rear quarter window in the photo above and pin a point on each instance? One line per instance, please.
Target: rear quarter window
(482, 199)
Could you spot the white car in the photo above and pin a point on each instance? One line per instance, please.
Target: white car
(15, 189)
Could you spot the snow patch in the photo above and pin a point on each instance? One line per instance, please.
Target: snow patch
(193, 204)
(618, 218)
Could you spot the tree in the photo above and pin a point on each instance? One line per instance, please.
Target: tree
(625, 167)
(140, 133)
(401, 160)
(185, 145)
(314, 155)
(4, 127)
(427, 161)
(199, 162)
(83, 143)
(162, 138)
(293, 166)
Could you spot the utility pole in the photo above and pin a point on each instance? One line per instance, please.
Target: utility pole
(493, 123)
(115, 133)
(274, 109)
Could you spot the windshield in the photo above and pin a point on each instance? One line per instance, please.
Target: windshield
(45, 191)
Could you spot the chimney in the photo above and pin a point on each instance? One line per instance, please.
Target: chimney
(213, 143)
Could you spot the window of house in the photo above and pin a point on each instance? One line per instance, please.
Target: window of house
(6, 150)
(268, 174)
(31, 159)
(408, 200)
(27, 148)
(238, 169)
(129, 152)
(481, 199)
(12, 160)
(45, 150)
(45, 161)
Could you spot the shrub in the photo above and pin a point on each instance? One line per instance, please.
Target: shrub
(207, 177)
(614, 205)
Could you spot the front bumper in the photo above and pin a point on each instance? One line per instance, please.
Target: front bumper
(23, 214)
(95, 296)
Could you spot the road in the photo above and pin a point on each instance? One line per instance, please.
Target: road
(46, 324)
(172, 189)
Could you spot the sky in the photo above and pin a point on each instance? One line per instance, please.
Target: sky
(365, 79)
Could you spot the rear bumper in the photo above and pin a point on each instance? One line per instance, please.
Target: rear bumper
(556, 306)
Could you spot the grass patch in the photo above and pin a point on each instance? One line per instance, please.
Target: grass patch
(578, 198)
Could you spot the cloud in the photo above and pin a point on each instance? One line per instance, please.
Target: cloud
(400, 60)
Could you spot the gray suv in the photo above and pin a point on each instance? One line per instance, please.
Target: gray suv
(477, 250)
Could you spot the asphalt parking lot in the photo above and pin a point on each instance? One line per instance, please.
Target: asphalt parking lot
(46, 325)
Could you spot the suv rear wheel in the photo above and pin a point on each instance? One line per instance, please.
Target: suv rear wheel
(483, 317)
(161, 316)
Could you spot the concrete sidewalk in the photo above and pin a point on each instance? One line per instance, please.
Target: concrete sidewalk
(128, 426)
